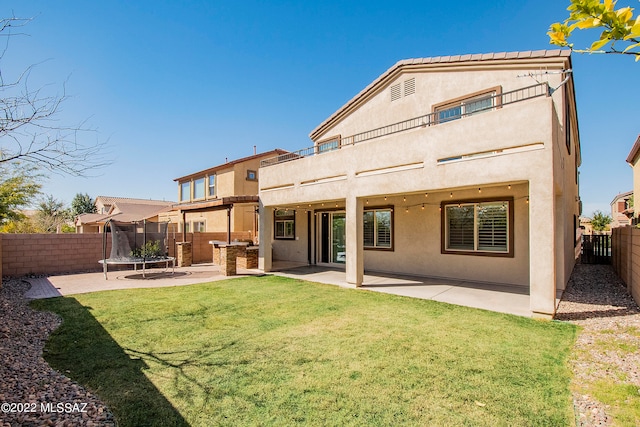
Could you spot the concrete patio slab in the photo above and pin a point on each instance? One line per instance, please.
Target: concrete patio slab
(70, 284)
(488, 296)
(510, 299)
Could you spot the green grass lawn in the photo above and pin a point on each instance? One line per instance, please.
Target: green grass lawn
(277, 351)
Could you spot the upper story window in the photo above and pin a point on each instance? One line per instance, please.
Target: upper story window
(185, 191)
(198, 188)
(252, 175)
(212, 186)
(467, 105)
(329, 144)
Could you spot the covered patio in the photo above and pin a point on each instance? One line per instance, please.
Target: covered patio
(502, 298)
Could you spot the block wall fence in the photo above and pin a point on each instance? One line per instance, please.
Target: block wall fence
(23, 254)
(625, 258)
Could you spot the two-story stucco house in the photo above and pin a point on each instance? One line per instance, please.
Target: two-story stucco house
(223, 198)
(462, 167)
(621, 209)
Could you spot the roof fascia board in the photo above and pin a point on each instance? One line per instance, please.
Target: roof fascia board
(230, 164)
(621, 196)
(633, 154)
(215, 204)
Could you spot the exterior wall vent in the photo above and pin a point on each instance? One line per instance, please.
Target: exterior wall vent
(410, 86)
(396, 92)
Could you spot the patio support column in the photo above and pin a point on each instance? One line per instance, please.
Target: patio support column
(229, 224)
(354, 241)
(542, 250)
(266, 233)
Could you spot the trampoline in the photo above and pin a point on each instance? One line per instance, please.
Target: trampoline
(139, 243)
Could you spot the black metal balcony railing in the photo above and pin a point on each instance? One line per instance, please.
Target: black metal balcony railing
(430, 119)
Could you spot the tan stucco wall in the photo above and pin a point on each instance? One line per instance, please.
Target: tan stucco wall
(242, 185)
(243, 219)
(432, 88)
(230, 181)
(359, 170)
(417, 239)
(423, 148)
(294, 250)
(528, 152)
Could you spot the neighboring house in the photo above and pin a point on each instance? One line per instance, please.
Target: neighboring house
(460, 167)
(585, 224)
(120, 209)
(621, 210)
(223, 198)
(634, 161)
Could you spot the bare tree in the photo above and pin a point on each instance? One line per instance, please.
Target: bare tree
(30, 131)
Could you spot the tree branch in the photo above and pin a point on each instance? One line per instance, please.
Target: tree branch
(29, 129)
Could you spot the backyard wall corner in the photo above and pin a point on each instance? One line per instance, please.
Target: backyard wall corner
(626, 258)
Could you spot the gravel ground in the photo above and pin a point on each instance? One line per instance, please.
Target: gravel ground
(595, 299)
(31, 393)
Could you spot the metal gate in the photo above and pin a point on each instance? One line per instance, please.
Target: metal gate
(596, 249)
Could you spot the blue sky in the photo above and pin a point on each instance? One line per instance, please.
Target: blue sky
(175, 87)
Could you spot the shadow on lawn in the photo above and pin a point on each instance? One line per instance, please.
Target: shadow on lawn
(83, 350)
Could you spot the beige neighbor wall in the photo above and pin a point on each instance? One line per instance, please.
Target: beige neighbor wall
(231, 180)
(243, 219)
(626, 258)
(242, 185)
(24, 254)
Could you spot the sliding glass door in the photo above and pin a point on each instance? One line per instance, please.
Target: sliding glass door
(332, 227)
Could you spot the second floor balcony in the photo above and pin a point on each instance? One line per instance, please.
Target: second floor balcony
(443, 115)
